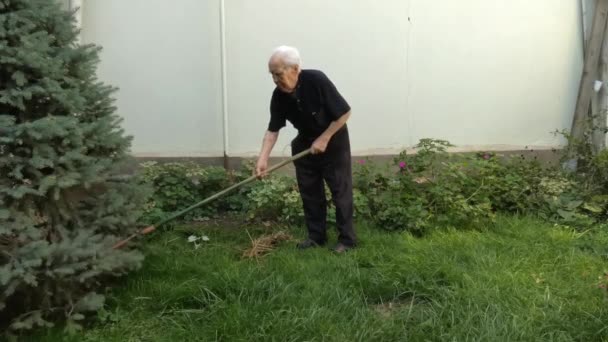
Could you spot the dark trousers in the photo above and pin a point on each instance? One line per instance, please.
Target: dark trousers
(334, 167)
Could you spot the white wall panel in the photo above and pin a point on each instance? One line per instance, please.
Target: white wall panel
(502, 73)
(494, 72)
(165, 58)
(360, 44)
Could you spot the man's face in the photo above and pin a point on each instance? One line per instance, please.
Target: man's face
(285, 77)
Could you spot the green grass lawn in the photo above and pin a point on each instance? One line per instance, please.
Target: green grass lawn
(522, 280)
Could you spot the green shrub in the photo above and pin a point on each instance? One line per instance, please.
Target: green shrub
(599, 172)
(361, 204)
(435, 188)
(414, 192)
(180, 185)
(426, 188)
(267, 198)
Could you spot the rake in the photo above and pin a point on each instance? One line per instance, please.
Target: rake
(150, 229)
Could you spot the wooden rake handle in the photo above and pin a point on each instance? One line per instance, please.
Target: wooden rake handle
(150, 229)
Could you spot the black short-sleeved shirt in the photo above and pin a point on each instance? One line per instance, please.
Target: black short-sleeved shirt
(311, 108)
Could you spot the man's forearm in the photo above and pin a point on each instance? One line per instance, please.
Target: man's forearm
(270, 138)
(335, 126)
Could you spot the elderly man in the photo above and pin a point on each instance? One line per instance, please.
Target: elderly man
(313, 105)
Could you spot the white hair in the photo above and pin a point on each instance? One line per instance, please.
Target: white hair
(288, 55)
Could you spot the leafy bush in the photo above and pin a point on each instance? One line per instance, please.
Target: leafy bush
(596, 173)
(426, 188)
(414, 192)
(435, 188)
(586, 169)
(361, 204)
(180, 185)
(274, 198)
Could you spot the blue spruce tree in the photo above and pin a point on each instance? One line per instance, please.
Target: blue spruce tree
(62, 202)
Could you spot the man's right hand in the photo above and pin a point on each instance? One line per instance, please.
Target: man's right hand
(261, 167)
(270, 138)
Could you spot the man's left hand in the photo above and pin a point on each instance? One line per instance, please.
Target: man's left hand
(319, 145)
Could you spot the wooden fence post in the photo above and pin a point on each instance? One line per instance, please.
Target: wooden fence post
(599, 107)
(592, 55)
